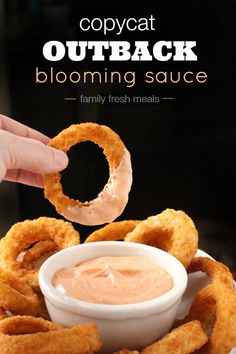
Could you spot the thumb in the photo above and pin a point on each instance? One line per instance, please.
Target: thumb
(30, 155)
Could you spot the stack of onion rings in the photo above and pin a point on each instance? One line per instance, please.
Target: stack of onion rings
(24, 234)
(26, 334)
(209, 328)
(112, 200)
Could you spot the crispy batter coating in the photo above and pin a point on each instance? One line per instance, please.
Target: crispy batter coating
(215, 307)
(126, 351)
(18, 298)
(209, 328)
(114, 231)
(217, 271)
(26, 334)
(173, 231)
(101, 135)
(37, 252)
(18, 325)
(182, 340)
(2, 313)
(185, 339)
(23, 234)
(106, 138)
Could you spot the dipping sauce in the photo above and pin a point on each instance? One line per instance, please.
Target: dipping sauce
(113, 280)
(110, 202)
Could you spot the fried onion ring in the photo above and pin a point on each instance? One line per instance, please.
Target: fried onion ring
(26, 334)
(37, 253)
(126, 351)
(18, 298)
(2, 313)
(23, 234)
(113, 232)
(217, 271)
(182, 340)
(215, 307)
(173, 231)
(111, 202)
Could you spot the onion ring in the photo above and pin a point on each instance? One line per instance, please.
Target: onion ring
(23, 234)
(182, 340)
(217, 271)
(2, 313)
(126, 351)
(215, 307)
(18, 298)
(113, 232)
(37, 253)
(26, 334)
(111, 202)
(173, 231)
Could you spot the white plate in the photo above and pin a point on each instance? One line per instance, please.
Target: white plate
(196, 282)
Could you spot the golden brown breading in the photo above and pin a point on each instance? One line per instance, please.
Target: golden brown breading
(173, 231)
(126, 351)
(37, 252)
(106, 138)
(114, 231)
(23, 234)
(217, 271)
(18, 298)
(26, 334)
(182, 340)
(215, 307)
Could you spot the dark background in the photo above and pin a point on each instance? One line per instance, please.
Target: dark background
(183, 151)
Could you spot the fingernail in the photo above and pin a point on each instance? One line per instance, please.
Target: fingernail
(60, 158)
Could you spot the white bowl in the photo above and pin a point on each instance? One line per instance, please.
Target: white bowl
(131, 325)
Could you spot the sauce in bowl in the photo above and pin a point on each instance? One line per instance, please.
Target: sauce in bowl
(114, 280)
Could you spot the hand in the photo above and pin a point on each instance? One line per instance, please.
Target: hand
(24, 155)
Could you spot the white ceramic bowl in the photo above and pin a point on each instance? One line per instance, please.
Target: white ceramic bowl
(120, 326)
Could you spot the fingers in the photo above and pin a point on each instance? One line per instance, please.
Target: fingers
(24, 177)
(14, 127)
(30, 155)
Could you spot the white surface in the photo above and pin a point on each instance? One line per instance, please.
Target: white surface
(196, 281)
(132, 325)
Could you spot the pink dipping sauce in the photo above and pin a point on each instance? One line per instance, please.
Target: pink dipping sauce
(114, 280)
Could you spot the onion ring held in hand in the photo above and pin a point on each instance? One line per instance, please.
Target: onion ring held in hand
(23, 234)
(26, 334)
(18, 298)
(111, 202)
(215, 307)
(173, 231)
(113, 232)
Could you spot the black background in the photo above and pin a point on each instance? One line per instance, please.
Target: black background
(183, 151)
